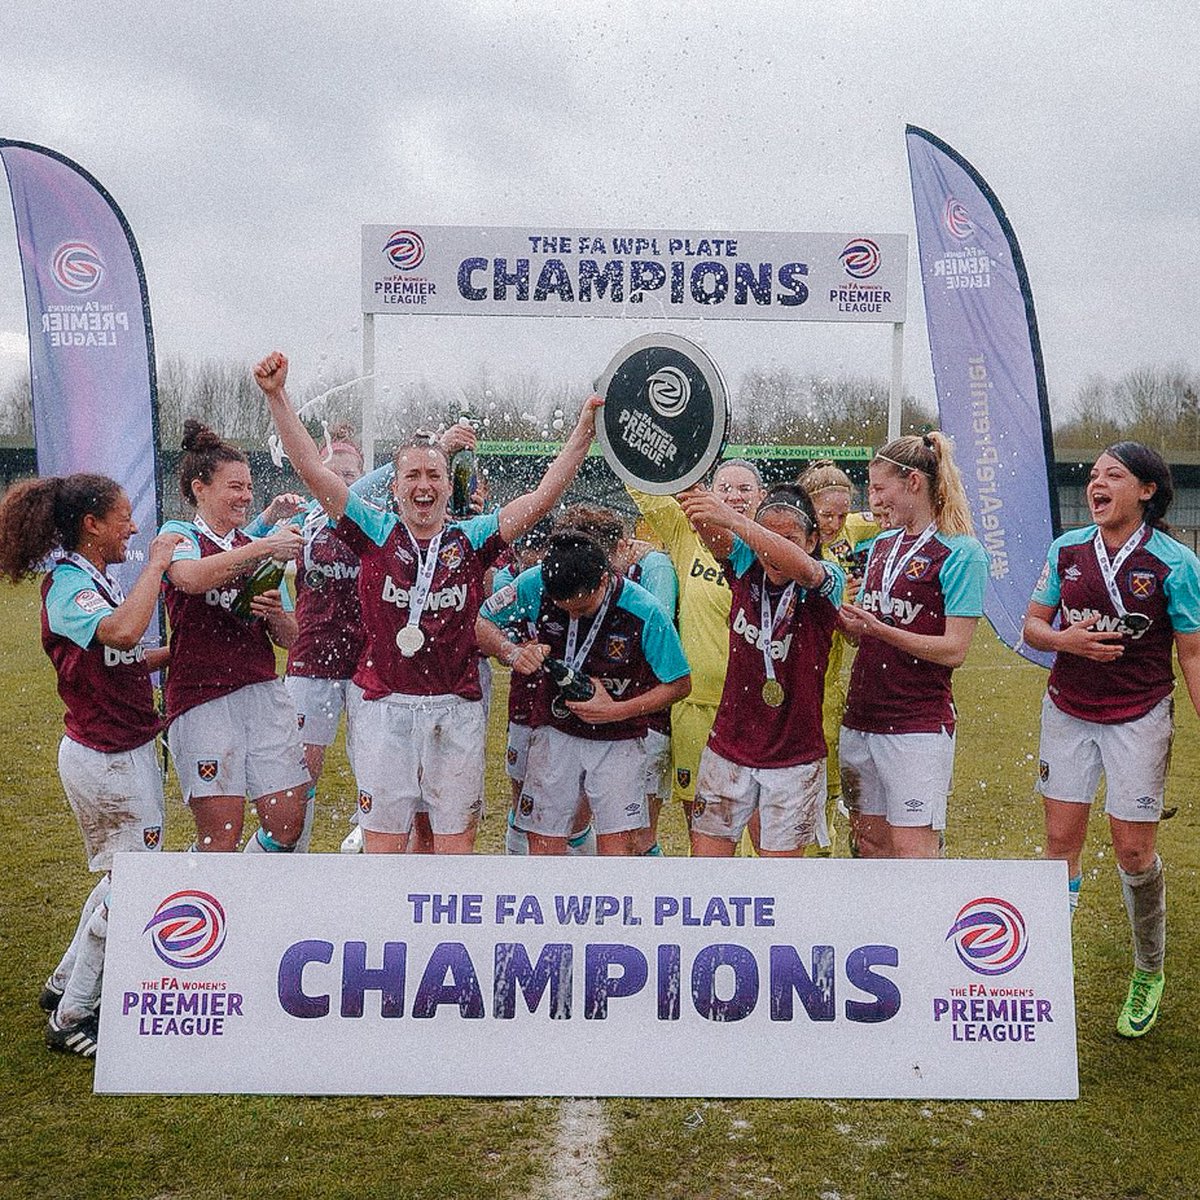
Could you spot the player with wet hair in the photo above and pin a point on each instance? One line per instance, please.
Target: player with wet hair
(612, 631)
(766, 754)
(913, 619)
(418, 736)
(92, 632)
(233, 733)
(1125, 594)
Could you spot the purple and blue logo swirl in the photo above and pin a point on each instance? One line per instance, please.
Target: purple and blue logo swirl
(77, 267)
(861, 258)
(405, 250)
(187, 929)
(989, 935)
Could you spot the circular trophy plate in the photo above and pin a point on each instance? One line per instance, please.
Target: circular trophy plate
(665, 416)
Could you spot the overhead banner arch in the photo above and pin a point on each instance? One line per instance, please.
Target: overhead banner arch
(644, 274)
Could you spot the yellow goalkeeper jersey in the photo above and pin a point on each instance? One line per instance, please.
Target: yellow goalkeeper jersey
(704, 596)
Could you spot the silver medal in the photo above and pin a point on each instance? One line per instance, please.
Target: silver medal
(409, 640)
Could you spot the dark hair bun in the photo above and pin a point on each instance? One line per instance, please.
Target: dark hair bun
(344, 431)
(198, 436)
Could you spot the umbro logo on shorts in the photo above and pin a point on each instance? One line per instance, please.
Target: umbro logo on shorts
(152, 835)
(914, 805)
(364, 802)
(206, 768)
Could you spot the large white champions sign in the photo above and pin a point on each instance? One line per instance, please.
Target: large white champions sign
(469, 271)
(645, 977)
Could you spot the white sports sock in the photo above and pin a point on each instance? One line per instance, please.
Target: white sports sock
(58, 980)
(82, 993)
(1145, 898)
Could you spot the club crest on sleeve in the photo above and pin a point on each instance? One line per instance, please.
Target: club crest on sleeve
(1043, 578)
(502, 598)
(1142, 584)
(206, 768)
(365, 801)
(151, 836)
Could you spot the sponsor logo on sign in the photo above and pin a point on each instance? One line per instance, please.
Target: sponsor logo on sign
(405, 250)
(187, 929)
(206, 768)
(957, 219)
(861, 258)
(77, 267)
(989, 935)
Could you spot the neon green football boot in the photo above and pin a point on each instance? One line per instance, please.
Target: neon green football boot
(1140, 1009)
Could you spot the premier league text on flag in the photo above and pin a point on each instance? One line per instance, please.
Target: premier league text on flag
(504, 976)
(987, 369)
(445, 269)
(90, 342)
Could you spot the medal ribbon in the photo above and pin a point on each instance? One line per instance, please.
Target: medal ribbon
(1109, 569)
(226, 542)
(892, 568)
(109, 588)
(314, 522)
(418, 596)
(768, 620)
(575, 659)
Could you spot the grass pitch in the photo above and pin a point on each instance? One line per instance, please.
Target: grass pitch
(1131, 1134)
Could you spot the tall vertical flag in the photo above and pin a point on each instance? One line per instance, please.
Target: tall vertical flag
(987, 370)
(91, 348)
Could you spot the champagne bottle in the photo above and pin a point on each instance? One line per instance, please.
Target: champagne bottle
(572, 684)
(267, 576)
(463, 479)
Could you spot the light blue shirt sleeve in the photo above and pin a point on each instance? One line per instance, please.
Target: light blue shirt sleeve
(189, 549)
(74, 608)
(963, 577)
(479, 529)
(515, 603)
(1182, 585)
(662, 647)
(374, 522)
(376, 486)
(1048, 589)
(660, 580)
(834, 587)
(740, 557)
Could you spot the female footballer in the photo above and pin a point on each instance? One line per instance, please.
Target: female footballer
(233, 729)
(766, 754)
(418, 738)
(913, 619)
(91, 632)
(1125, 593)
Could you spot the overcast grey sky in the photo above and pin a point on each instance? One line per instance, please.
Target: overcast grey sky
(247, 143)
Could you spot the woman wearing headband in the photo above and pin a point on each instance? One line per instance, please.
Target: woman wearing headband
(845, 535)
(915, 614)
(107, 759)
(419, 734)
(766, 754)
(1126, 594)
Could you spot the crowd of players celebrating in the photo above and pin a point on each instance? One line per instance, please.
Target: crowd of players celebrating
(704, 665)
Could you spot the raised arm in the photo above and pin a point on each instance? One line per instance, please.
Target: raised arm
(328, 487)
(708, 517)
(523, 513)
(123, 628)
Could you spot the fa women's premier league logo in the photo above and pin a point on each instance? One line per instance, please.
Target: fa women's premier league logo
(666, 413)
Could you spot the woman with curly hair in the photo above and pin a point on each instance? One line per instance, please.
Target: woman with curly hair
(92, 632)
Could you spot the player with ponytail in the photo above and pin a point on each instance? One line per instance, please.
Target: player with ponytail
(913, 619)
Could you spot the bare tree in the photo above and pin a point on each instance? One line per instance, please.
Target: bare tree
(16, 410)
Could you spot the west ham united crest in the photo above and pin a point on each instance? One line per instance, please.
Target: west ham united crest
(206, 768)
(665, 416)
(151, 836)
